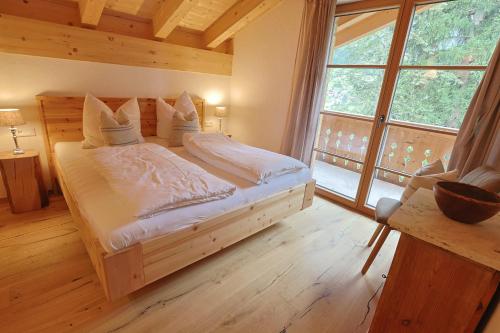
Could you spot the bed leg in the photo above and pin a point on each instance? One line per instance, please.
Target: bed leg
(309, 194)
(123, 271)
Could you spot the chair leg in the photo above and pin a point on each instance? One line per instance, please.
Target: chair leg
(376, 248)
(375, 234)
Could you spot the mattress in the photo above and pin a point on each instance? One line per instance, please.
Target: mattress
(115, 225)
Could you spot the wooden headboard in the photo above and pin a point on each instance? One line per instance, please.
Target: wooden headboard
(62, 119)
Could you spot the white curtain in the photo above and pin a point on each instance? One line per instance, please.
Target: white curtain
(314, 42)
(478, 141)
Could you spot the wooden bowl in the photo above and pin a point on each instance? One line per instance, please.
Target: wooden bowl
(466, 203)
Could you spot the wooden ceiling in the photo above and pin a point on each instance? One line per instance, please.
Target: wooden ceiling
(186, 35)
(196, 15)
(199, 17)
(193, 35)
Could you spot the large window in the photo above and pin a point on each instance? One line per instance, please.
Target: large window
(352, 93)
(448, 47)
(399, 83)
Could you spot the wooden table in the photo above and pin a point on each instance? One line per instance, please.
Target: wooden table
(444, 273)
(22, 178)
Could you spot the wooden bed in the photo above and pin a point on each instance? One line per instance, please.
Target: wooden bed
(129, 269)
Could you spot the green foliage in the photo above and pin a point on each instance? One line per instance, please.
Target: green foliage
(434, 97)
(353, 91)
(461, 32)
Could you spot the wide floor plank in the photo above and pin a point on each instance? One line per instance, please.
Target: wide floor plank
(302, 275)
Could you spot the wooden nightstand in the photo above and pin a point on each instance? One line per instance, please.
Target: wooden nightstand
(22, 178)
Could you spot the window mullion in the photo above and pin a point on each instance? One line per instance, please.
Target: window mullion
(401, 31)
(443, 67)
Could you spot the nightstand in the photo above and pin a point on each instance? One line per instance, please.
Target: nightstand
(22, 178)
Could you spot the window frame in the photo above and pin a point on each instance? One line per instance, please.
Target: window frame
(393, 66)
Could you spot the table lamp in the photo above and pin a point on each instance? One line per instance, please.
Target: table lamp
(220, 112)
(12, 118)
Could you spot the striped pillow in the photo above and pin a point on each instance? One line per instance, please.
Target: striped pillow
(182, 124)
(117, 134)
(427, 182)
(430, 169)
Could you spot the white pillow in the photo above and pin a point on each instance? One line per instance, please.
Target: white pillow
(92, 108)
(130, 111)
(164, 115)
(184, 109)
(185, 105)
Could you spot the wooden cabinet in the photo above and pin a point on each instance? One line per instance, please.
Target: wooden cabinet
(22, 178)
(432, 290)
(444, 273)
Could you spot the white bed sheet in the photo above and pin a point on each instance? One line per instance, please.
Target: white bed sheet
(117, 228)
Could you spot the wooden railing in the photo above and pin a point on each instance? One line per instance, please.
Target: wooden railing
(343, 141)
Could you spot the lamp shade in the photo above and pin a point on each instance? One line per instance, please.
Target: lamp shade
(11, 117)
(221, 111)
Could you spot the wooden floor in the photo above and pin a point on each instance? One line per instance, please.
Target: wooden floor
(302, 275)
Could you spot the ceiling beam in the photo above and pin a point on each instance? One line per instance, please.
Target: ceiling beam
(365, 26)
(360, 25)
(234, 19)
(169, 15)
(38, 38)
(366, 5)
(91, 11)
(344, 22)
(67, 13)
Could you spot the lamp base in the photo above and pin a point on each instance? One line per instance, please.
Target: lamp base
(17, 151)
(220, 125)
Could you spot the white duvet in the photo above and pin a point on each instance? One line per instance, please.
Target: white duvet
(150, 179)
(250, 163)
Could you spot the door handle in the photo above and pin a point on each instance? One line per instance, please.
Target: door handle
(381, 120)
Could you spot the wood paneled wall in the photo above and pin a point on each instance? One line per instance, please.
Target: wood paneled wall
(33, 37)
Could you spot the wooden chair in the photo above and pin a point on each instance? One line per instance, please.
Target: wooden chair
(384, 209)
(485, 177)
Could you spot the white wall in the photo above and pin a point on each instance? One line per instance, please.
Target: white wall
(24, 77)
(263, 64)
(258, 92)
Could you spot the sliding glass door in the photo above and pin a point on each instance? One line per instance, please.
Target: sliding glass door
(448, 47)
(398, 87)
(352, 93)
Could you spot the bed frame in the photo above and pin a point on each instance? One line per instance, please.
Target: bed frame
(132, 268)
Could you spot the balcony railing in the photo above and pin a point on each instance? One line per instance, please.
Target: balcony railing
(343, 142)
